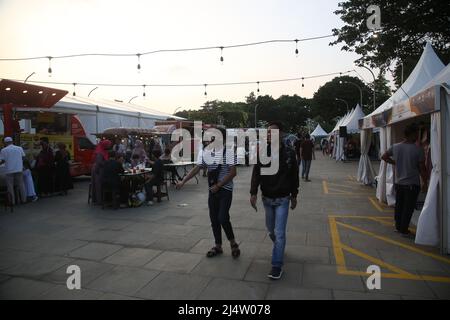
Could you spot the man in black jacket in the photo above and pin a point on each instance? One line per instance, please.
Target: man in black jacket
(277, 191)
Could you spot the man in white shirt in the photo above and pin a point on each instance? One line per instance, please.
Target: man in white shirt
(12, 157)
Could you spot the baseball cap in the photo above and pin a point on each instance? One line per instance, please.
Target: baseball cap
(8, 139)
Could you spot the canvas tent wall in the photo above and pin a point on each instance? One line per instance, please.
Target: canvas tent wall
(428, 66)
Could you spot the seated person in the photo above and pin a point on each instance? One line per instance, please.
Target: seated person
(135, 160)
(111, 180)
(167, 159)
(156, 177)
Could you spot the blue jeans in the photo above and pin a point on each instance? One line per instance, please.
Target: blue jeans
(276, 220)
(306, 166)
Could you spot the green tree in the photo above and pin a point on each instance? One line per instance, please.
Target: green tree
(325, 105)
(405, 27)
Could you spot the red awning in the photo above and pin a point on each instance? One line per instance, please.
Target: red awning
(27, 95)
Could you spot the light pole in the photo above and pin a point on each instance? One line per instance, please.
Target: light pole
(374, 80)
(92, 91)
(360, 90)
(256, 105)
(176, 110)
(28, 77)
(337, 99)
(129, 101)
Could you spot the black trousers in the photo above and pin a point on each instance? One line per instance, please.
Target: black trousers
(405, 202)
(219, 212)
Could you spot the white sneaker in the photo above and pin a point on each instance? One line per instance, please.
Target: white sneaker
(150, 203)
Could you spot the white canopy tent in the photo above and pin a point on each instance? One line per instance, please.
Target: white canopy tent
(96, 115)
(428, 66)
(319, 132)
(434, 221)
(352, 121)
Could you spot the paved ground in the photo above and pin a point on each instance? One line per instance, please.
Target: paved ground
(159, 252)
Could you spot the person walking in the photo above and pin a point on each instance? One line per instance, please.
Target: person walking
(45, 168)
(409, 163)
(63, 179)
(12, 156)
(307, 155)
(278, 191)
(221, 172)
(100, 156)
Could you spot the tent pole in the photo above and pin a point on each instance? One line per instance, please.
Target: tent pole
(443, 200)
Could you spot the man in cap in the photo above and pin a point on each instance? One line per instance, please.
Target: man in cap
(12, 156)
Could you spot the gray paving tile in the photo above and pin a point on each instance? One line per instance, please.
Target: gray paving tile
(62, 293)
(12, 257)
(299, 253)
(351, 295)
(279, 292)
(38, 267)
(223, 266)
(258, 270)
(175, 262)
(23, 289)
(174, 286)
(326, 276)
(406, 288)
(90, 270)
(132, 257)
(172, 243)
(123, 280)
(225, 289)
(95, 251)
(441, 290)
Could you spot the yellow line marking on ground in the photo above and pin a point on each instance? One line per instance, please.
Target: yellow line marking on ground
(339, 247)
(377, 261)
(379, 206)
(338, 253)
(325, 187)
(397, 243)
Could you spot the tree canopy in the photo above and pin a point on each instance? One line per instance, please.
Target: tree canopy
(405, 27)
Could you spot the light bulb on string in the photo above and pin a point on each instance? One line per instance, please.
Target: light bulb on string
(74, 93)
(143, 93)
(257, 90)
(49, 66)
(206, 94)
(139, 62)
(303, 82)
(296, 48)
(221, 55)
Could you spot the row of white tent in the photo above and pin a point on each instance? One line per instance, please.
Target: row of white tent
(96, 115)
(428, 84)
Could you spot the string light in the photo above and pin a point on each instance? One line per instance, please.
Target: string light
(206, 94)
(190, 84)
(170, 50)
(257, 90)
(296, 47)
(221, 55)
(303, 82)
(74, 93)
(143, 93)
(139, 62)
(49, 66)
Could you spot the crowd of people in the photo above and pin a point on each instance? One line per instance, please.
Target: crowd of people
(47, 174)
(112, 161)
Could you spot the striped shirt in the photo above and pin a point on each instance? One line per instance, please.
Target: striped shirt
(210, 159)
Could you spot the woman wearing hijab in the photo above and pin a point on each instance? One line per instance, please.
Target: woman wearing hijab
(45, 164)
(140, 151)
(63, 179)
(100, 156)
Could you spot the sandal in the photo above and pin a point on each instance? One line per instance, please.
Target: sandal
(235, 251)
(215, 251)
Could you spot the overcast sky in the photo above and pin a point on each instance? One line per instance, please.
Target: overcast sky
(59, 27)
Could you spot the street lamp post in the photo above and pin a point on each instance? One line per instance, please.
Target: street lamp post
(337, 99)
(360, 90)
(374, 79)
(256, 105)
(129, 101)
